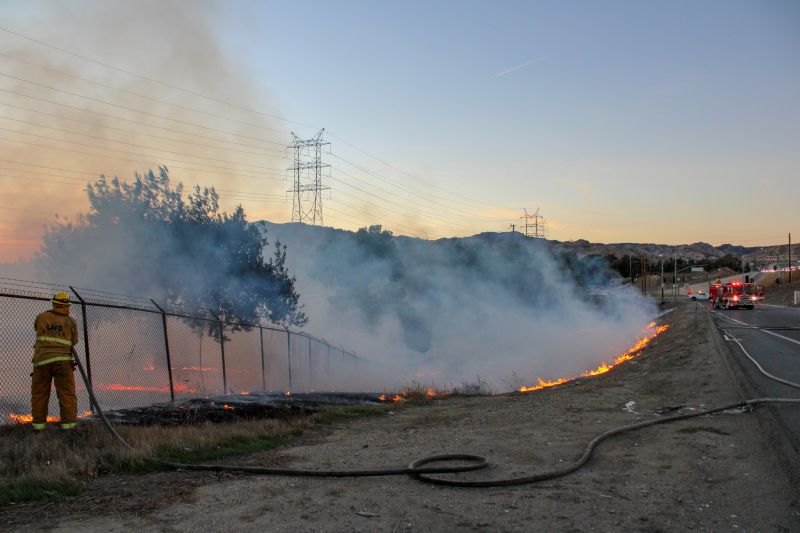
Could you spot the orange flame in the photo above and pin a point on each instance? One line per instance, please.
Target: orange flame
(179, 387)
(429, 393)
(395, 398)
(543, 384)
(652, 331)
(228, 407)
(28, 419)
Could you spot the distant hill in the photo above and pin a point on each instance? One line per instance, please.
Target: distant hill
(692, 252)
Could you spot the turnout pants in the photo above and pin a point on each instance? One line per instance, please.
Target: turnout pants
(61, 374)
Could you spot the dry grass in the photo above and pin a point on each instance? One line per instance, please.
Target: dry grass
(53, 463)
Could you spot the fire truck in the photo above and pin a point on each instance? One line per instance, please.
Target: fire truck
(735, 295)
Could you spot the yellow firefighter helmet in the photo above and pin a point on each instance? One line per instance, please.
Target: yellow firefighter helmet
(61, 299)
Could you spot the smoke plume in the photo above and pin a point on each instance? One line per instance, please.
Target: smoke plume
(498, 306)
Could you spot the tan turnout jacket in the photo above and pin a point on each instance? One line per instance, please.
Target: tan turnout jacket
(56, 334)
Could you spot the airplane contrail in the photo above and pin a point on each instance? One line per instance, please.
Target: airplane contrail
(512, 69)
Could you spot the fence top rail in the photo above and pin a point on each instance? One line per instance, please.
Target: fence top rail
(160, 311)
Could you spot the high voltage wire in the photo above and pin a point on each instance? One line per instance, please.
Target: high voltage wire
(230, 162)
(439, 217)
(436, 204)
(213, 168)
(394, 221)
(160, 82)
(149, 163)
(230, 194)
(212, 115)
(99, 101)
(373, 174)
(209, 98)
(72, 132)
(145, 97)
(150, 135)
(381, 161)
(84, 181)
(192, 124)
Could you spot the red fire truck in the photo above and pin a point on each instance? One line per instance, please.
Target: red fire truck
(734, 295)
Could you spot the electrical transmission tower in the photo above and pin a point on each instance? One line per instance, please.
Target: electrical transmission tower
(307, 178)
(536, 229)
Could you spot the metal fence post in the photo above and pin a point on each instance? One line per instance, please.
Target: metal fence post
(327, 358)
(166, 350)
(263, 363)
(222, 353)
(310, 365)
(289, 353)
(88, 359)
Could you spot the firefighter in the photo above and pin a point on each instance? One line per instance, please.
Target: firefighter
(56, 334)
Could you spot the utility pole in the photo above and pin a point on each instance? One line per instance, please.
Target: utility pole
(630, 267)
(513, 228)
(643, 274)
(790, 259)
(307, 178)
(662, 279)
(535, 229)
(675, 281)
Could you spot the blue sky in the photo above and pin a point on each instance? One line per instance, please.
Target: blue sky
(625, 121)
(660, 105)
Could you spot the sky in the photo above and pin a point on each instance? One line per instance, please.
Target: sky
(621, 121)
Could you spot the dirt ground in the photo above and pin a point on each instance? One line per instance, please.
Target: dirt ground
(718, 473)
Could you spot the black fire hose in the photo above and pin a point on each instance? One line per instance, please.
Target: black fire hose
(416, 468)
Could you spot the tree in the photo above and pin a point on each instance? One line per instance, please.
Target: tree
(145, 237)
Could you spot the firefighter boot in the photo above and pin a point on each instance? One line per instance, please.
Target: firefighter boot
(64, 379)
(40, 395)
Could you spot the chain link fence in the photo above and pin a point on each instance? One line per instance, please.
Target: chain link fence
(138, 352)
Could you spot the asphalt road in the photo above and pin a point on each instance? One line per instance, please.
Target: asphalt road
(771, 335)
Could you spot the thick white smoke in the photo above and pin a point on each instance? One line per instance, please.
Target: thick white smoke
(499, 306)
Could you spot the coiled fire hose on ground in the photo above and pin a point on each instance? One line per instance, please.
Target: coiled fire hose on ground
(416, 468)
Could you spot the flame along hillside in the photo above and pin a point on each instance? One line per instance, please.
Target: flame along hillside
(651, 332)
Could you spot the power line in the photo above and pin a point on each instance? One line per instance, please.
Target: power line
(446, 226)
(72, 132)
(138, 162)
(381, 161)
(149, 135)
(227, 193)
(142, 76)
(105, 102)
(78, 95)
(145, 97)
(192, 124)
(196, 110)
(217, 167)
(437, 204)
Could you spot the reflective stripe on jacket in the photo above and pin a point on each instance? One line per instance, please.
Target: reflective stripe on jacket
(56, 333)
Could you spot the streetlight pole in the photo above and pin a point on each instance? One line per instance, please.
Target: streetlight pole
(662, 279)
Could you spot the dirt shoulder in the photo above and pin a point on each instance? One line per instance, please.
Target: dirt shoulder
(710, 473)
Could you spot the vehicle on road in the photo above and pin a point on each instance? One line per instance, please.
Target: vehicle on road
(735, 295)
(700, 295)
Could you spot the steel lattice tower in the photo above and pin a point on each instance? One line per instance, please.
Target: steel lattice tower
(307, 178)
(537, 228)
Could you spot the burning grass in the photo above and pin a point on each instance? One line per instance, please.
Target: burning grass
(54, 464)
(651, 331)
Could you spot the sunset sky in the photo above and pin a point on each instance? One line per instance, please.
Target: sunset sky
(670, 122)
